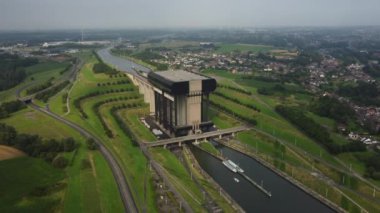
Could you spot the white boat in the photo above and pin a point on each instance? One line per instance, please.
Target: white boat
(235, 166)
(236, 180)
(229, 166)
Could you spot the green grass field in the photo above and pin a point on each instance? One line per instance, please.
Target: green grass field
(207, 146)
(132, 118)
(179, 177)
(21, 177)
(40, 72)
(129, 156)
(227, 48)
(85, 188)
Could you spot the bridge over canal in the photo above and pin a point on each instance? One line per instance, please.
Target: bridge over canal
(196, 137)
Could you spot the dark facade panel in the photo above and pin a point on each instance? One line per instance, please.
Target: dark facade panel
(208, 85)
(181, 87)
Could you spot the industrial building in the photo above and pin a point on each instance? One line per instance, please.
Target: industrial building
(180, 101)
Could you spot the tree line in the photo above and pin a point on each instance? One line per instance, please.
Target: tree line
(10, 107)
(236, 100)
(363, 93)
(331, 107)
(45, 95)
(223, 107)
(113, 83)
(77, 102)
(35, 146)
(96, 107)
(12, 70)
(40, 87)
(316, 131)
(126, 129)
(235, 89)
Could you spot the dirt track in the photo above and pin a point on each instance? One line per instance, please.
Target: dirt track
(7, 152)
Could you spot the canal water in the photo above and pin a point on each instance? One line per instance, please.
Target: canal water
(285, 196)
(120, 63)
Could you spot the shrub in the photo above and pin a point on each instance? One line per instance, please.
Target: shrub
(60, 162)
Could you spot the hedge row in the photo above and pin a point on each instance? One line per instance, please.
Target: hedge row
(77, 102)
(235, 89)
(113, 83)
(122, 124)
(8, 108)
(40, 87)
(95, 108)
(251, 106)
(45, 95)
(120, 75)
(229, 111)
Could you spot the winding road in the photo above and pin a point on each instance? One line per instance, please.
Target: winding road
(124, 190)
(121, 181)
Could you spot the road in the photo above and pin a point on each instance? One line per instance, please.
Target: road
(197, 136)
(124, 190)
(121, 181)
(66, 77)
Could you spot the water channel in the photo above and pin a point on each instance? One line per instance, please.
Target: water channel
(286, 197)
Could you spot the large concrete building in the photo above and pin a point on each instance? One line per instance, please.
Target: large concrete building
(180, 100)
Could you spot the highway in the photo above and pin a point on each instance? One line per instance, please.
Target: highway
(121, 181)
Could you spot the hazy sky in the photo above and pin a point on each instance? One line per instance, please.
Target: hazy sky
(65, 14)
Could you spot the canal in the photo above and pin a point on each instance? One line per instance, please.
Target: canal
(285, 196)
(120, 63)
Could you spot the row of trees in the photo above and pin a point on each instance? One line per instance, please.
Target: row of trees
(69, 66)
(96, 107)
(77, 102)
(316, 131)
(235, 89)
(236, 100)
(113, 83)
(120, 75)
(8, 108)
(35, 146)
(40, 87)
(363, 93)
(331, 107)
(103, 68)
(223, 107)
(126, 129)
(45, 95)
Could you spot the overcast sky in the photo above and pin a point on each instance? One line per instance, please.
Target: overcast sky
(90, 14)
